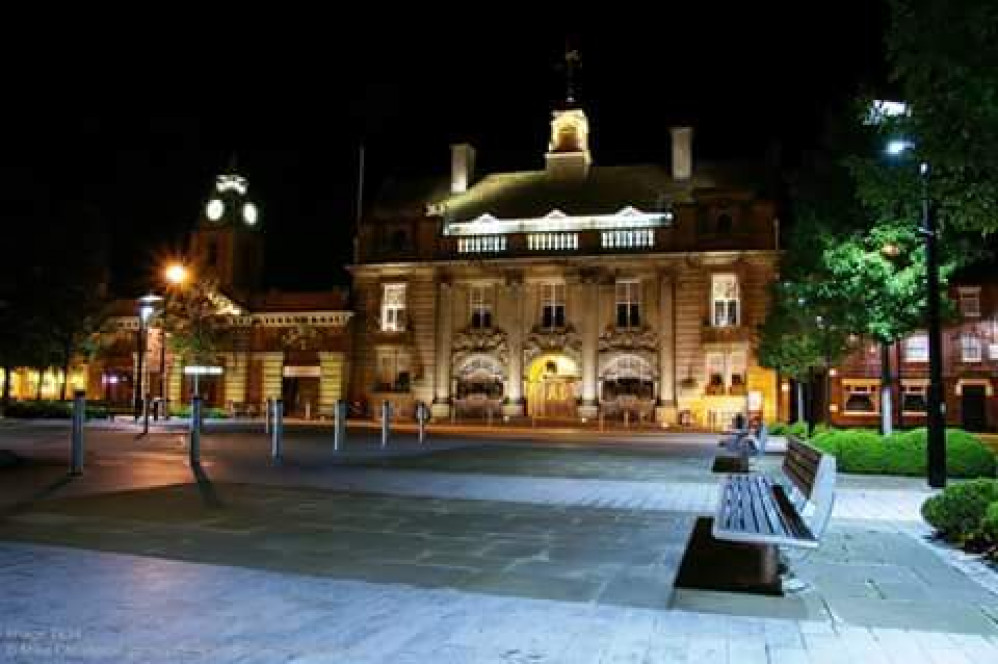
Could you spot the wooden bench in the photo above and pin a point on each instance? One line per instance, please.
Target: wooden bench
(792, 510)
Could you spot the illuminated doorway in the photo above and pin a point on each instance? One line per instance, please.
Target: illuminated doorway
(552, 387)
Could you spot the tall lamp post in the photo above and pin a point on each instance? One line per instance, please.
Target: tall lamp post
(936, 448)
(147, 305)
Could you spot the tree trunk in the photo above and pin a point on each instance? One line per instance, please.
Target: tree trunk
(5, 399)
(65, 372)
(886, 409)
(900, 386)
(800, 400)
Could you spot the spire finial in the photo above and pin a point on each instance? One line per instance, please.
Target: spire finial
(573, 62)
(233, 166)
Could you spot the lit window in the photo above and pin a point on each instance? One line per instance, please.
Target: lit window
(970, 302)
(971, 347)
(393, 371)
(914, 398)
(628, 304)
(552, 305)
(393, 308)
(481, 307)
(916, 348)
(715, 373)
(736, 373)
(860, 398)
(724, 300)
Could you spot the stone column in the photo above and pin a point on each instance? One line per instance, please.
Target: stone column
(665, 411)
(445, 327)
(514, 337)
(332, 373)
(589, 318)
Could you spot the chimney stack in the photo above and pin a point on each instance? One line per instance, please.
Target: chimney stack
(462, 167)
(682, 152)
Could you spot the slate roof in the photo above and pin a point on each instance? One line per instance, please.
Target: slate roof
(531, 194)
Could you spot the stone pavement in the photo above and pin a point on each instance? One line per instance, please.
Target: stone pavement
(79, 606)
(505, 553)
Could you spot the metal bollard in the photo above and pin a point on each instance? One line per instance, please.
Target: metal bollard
(194, 451)
(386, 413)
(277, 434)
(308, 410)
(421, 417)
(266, 415)
(339, 424)
(627, 419)
(76, 449)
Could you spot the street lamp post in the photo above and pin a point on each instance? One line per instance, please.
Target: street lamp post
(936, 447)
(147, 305)
(176, 276)
(936, 415)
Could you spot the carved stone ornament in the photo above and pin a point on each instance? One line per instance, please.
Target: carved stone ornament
(470, 342)
(562, 340)
(642, 339)
(301, 337)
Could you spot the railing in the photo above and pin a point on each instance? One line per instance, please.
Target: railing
(552, 241)
(630, 238)
(481, 244)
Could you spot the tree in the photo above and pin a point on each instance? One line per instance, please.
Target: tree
(198, 323)
(944, 56)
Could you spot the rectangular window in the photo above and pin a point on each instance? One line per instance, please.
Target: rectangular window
(393, 371)
(393, 308)
(737, 371)
(724, 300)
(916, 348)
(628, 304)
(860, 398)
(970, 302)
(914, 398)
(552, 306)
(715, 373)
(481, 307)
(971, 347)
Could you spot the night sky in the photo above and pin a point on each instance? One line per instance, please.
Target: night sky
(137, 123)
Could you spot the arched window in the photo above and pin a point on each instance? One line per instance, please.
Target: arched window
(628, 376)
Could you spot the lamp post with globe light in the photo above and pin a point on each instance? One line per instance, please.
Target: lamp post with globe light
(147, 306)
(936, 448)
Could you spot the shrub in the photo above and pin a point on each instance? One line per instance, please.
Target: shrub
(989, 524)
(778, 429)
(904, 453)
(39, 409)
(207, 412)
(958, 512)
(821, 428)
(798, 429)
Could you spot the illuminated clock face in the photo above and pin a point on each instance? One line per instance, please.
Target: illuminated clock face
(215, 209)
(250, 214)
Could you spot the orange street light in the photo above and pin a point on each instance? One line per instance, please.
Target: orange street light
(176, 274)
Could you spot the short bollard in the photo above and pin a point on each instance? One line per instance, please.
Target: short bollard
(386, 414)
(422, 415)
(194, 451)
(277, 433)
(339, 425)
(266, 415)
(76, 451)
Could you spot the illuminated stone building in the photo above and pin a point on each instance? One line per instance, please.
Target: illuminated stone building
(293, 345)
(573, 291)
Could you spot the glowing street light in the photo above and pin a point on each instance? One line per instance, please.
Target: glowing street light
(176, 274)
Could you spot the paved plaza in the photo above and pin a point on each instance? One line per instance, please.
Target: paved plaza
(468, 549)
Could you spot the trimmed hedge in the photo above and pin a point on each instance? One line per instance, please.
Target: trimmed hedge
(50, 410)
(989, 524)
(207, 412)
(958, 512)
(904, 453)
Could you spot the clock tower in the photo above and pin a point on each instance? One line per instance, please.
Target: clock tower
(228, 242)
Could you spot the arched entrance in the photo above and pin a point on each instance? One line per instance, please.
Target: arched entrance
(478, 387)
(552, 386)
(628, 385)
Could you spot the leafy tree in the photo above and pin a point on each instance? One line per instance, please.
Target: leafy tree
(944, 56)
(197, 323)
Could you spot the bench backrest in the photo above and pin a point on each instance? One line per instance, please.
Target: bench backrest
(812, 472)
